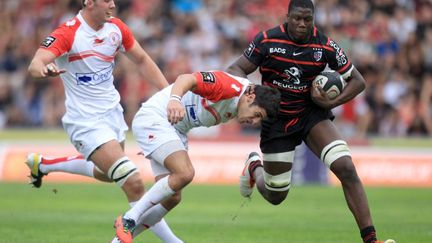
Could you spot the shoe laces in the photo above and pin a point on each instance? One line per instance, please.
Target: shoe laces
(128, 225)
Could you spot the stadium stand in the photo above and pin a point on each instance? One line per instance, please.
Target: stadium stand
(389, 41)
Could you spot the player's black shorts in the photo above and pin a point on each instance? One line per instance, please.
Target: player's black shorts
(280, 136)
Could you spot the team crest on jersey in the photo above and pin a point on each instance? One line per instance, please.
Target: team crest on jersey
(114, 39)
(317, 55)
(48, 41)
(208, 77)
(250, 49)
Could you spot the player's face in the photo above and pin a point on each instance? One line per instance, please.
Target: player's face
(250, 114)
(104, 10)
(300, 24)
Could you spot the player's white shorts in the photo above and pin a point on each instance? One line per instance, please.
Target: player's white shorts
(88, 134)
(152, 130)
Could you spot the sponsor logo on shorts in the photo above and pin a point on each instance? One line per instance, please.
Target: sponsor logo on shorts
(79, 145)
(48, 41)
(94, 78)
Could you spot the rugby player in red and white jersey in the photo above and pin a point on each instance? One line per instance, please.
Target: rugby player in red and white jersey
(82, 52)
(201, 99)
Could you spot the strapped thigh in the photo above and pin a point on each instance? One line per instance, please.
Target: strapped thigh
(121, 170)
(279, 182)
(334, 151)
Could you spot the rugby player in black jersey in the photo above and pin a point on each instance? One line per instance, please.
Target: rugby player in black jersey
(289, 57)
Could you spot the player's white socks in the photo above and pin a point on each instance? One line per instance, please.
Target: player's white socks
(154, 218)
(162, 230)
(158, 192)
(73, 164)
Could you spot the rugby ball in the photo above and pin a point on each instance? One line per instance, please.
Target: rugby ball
(331, 82)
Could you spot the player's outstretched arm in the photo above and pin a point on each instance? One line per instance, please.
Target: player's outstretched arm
(241, 67)
(175, 108)
(42, 65)
(147, 66)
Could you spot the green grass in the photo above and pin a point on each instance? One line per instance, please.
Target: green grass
(86, 212)
(31, 135)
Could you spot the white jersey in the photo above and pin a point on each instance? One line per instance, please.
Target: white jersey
(88, 58)
(214, 100)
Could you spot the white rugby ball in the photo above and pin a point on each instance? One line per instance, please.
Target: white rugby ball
(331, 82)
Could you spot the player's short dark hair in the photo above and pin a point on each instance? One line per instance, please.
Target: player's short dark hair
(268, 98)
(300, 4)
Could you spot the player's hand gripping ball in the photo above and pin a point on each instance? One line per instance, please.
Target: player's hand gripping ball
(331, 82)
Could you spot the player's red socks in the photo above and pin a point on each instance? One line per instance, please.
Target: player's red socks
(368, 234)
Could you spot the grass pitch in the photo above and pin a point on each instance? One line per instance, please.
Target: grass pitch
(86, 212)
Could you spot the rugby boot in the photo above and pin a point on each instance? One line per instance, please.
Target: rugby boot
(33, 162)
(386, 241)
(247, 181)
(124, 229)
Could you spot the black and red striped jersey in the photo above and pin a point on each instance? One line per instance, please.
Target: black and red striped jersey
(292, 67)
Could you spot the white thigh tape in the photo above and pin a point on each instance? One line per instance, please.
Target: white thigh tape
(334, 151)
(278, 183)
(121, 170)
(279, 157)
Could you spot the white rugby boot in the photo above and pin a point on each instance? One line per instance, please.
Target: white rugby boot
(247, 181)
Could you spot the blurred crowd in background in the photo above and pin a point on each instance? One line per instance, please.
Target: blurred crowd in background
(389, 41)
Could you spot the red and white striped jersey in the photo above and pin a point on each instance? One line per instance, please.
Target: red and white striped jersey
(214, 100)
(88, 56)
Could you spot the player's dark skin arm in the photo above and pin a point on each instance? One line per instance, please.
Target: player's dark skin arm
(241, 67)
(355, 85)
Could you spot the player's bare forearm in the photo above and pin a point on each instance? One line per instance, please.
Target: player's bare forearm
(355, 86)
(35, 69)
(42, 65)
(175, 109)
(183, 84)
(241, 67)
(152, 73)
(147, 66)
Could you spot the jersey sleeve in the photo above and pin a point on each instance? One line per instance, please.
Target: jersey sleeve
(255, 52)
(217, 85)
(127, 36)
(61, 39)
(337, 59)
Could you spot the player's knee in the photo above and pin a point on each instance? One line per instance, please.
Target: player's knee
(134, 185)
(345, 170)
(277, 183)
(175, 199)
(100, 175)
(186, 176)
(277, 198)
